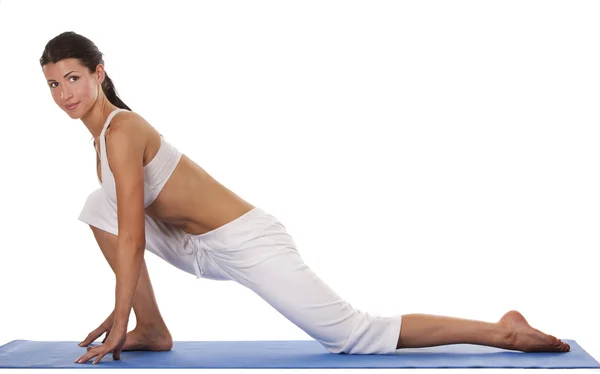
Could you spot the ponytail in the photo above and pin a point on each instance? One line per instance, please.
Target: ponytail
(111, 93)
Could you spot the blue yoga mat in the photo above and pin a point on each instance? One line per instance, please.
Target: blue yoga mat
(287, 354)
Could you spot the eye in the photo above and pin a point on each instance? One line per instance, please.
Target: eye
(52, 85)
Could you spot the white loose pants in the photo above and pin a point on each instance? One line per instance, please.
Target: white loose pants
(256, 251)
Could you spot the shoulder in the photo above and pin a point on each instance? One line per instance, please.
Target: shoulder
(126, 122)
(127, 134)
(127, 128)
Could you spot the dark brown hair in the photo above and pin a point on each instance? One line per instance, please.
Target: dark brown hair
(72, 45)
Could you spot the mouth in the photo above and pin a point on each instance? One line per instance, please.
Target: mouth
(72, 106)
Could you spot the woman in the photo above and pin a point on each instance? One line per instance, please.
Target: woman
(154, 197)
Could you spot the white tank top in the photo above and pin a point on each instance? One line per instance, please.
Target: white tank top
(156, 172)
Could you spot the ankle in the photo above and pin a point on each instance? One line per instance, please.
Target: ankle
(153, 325)
(505, 336)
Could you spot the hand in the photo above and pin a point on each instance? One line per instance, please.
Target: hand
(114, 343)
(103, 328)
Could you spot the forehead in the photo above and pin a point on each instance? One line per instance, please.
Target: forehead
(60, 68)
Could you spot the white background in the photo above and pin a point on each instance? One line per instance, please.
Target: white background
(427, 157)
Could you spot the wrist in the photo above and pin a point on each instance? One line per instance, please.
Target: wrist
(121, 318)
(119, 326)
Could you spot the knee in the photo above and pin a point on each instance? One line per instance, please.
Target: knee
(353, 335)
(95, 201)
(99, 212)
(368, 334)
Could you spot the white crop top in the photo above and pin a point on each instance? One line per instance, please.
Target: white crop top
(156, 172)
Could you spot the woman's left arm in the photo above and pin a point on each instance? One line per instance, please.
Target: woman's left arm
(125, 149)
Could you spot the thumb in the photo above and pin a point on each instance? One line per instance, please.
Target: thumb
(117, 354)
(106, 336)
(92, 336)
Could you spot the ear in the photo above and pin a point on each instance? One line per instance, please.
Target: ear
(100, 73)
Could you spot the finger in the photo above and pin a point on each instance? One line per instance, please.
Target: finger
(89, 355)
(92, 336)
(117, 354)
(82, 360)
(100, 356)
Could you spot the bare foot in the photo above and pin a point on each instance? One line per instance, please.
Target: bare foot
(147, 340)
(523, 337)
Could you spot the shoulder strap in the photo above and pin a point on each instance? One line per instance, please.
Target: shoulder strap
(110, 117)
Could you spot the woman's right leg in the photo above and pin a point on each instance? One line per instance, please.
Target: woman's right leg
(257, 251)
(512, 331)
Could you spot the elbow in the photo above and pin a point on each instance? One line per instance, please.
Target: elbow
(137, 241)
(140, 245)
(136, 245)
(137, 250)
(140, 242)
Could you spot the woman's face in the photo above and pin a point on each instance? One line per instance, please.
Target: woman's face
(73, 88)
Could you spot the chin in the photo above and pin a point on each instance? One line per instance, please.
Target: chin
(75, 114)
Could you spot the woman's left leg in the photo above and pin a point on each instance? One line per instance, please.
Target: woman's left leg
(163, 240)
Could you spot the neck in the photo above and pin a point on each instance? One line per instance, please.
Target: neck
(95, 118)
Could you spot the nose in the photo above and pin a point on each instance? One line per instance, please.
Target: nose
(65, 94)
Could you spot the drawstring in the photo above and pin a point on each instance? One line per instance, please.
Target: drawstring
(196, 252)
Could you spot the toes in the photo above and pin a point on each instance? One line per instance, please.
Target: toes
(557, 345)
(553, 342)
(563, 347)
